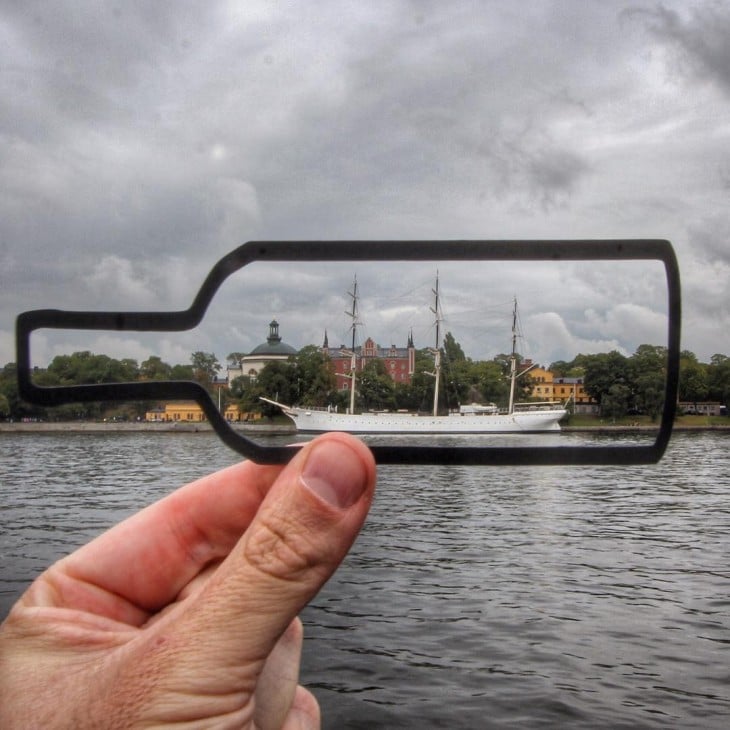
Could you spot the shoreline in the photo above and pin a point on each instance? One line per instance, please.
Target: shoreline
(135, 427)
(273, 428)
(629, 429)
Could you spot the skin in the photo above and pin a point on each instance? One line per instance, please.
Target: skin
(186, 613)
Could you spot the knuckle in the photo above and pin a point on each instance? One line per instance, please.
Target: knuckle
(281, 550)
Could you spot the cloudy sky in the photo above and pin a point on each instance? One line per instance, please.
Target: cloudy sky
(140, 142)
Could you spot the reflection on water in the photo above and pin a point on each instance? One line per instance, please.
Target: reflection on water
(639, 437)
(643, 437)
(551, 597)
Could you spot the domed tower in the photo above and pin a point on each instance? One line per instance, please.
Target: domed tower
(273, 349)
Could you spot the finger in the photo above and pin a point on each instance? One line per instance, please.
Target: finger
(304, 713)
(301, 533)
(279, 679)
(141, 564)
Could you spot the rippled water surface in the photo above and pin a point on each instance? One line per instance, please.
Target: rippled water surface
(474, 598)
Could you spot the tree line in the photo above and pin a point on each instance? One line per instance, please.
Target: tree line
(619, 384)
(84, 368)
(622, 385)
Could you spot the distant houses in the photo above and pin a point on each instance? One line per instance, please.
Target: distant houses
(701, 409)
(549, 387)
(191, 412)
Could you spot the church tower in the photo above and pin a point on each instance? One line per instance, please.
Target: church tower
(411, 355)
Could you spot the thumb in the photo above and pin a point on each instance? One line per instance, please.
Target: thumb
(300, 534)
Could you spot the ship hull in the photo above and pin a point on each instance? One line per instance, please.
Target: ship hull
(313, 421)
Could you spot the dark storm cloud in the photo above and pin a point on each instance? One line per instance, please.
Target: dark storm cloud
(698, 39)
(94, 63)
(140, 143)
(431, 109)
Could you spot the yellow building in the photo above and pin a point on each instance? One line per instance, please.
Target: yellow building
(191, 412)
(548, 387)
(564, 388)
(542, 383)
(187, 411)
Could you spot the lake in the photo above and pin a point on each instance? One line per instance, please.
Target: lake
(474, 597)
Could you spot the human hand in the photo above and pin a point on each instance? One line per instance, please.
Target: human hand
(186, 613)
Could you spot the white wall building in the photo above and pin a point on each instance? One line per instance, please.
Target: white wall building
(271, 350)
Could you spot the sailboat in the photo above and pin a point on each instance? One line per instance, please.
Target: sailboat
(468, 419)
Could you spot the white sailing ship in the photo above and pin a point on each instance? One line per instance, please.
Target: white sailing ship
(469, 419)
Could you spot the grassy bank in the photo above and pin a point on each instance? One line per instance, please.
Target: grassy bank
(270, 427)
(630, 422)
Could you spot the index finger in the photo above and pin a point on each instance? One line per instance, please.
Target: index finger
(141, 564)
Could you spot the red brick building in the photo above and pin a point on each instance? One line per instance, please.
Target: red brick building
(400, 362)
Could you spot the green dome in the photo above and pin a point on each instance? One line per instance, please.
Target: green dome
(273, 344)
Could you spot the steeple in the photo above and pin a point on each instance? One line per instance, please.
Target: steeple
(411, 355)
(273, 337)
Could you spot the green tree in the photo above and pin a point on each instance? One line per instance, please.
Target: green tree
(407, 396)
(182, 372)
(375, 387)
(240, 386)
(129, 369)
(718, 379)
(246, 391)
(205, 367)
(561, 369)
(492, 381)
(646, 375)
(615, 401)
(153, 368)
(693, 382)
(459, 382)
(17, 408)
(419, 395)
(277, 381)
(234, 359)
(523, 385)
(452, 349)
(649, 358)
(649, 393)
(9, 388)
(314, 378)
(87, 368)
(503, 360)
(83, 368)
(602, 372)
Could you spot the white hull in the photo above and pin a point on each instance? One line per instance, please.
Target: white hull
(528, 421)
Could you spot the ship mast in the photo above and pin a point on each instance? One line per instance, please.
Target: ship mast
(436, 374)
(353, 314)
(513, 361)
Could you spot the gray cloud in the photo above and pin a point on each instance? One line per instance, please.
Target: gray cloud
(139, 144)
(697, 38)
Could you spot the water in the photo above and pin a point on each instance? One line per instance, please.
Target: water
(474, 598)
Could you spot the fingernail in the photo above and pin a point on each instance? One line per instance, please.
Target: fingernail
(335, 473)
